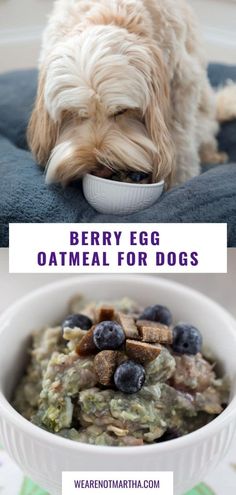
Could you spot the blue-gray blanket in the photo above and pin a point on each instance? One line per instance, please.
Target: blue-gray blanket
(24, 197)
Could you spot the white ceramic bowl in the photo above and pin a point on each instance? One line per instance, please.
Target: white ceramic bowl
(119, 198)
(43, 456)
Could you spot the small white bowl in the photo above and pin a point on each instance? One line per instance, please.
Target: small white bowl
(43, 456)
(119, 198)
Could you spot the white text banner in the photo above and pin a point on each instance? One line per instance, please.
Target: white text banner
(118, 248)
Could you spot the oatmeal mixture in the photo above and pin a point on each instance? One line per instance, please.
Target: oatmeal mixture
(120, 375)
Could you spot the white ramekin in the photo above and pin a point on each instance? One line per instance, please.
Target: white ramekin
(119, 198)
(43, 456)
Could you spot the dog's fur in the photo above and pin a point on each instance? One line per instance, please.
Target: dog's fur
(123, 84)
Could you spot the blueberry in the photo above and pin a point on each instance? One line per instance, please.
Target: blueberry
(170, 434)
(137, 176)
(186, 339)
(157, 313)
(129, 377)
(108, 335)
(77, 320)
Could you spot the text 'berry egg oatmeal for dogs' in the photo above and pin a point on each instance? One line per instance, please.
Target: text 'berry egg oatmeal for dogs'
(120, 375)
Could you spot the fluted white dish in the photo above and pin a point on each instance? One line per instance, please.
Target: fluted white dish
(43, 456)
(119, 198)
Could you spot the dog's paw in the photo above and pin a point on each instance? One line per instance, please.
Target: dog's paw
(210, 155)
(219, 157)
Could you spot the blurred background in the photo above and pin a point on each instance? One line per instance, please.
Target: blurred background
(22, 23)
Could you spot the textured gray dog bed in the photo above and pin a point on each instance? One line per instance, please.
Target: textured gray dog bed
(24, 197)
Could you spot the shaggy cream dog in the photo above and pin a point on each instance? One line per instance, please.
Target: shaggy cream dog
(123, 85)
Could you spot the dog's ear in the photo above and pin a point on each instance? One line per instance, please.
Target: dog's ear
(158, 118)
(42, 132)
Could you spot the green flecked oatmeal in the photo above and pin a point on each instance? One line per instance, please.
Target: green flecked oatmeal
(120, 375)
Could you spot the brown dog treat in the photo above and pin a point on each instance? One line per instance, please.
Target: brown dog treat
(158, 335)
(142, 351)
(128, 324)
(105, 364)
(86, 346)
(153, 332)
(105, 313)
(121, 357)
(150, 324)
